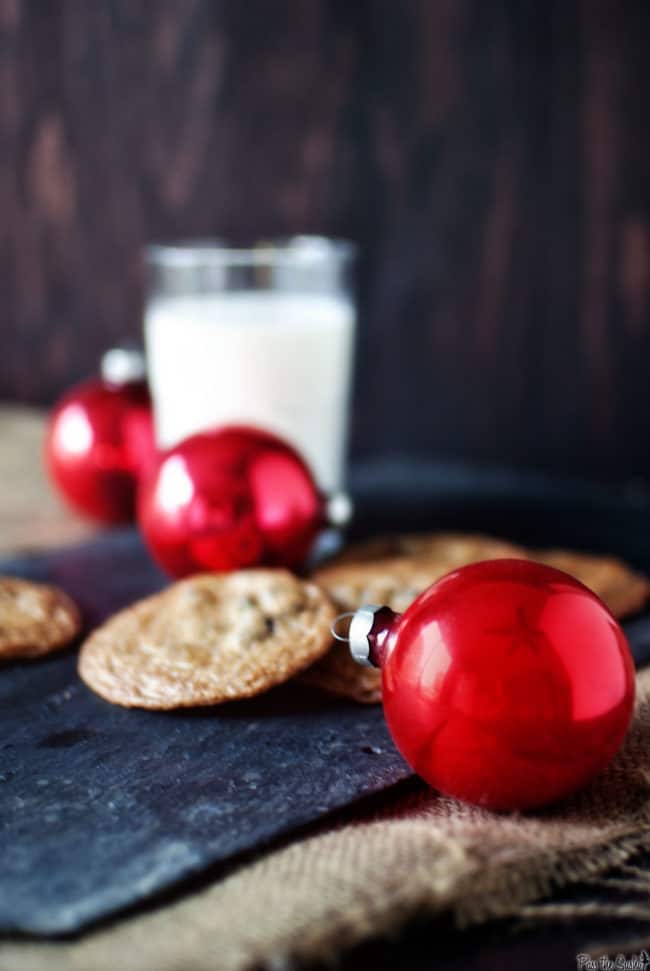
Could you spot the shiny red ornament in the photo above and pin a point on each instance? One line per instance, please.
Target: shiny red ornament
(226, 499)
(99, 440)
(507, 684)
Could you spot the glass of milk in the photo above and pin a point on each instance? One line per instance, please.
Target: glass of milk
(262, 336)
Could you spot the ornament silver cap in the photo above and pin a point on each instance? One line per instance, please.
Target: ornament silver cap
(122, 365)
(338, 509)
(359, 630)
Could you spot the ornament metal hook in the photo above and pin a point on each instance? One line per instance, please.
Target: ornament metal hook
(344, 638)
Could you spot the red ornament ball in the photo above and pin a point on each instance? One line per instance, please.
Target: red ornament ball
(99, 438)
(507, 684)
(226, 499)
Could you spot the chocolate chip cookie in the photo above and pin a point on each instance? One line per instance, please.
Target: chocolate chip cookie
(209, 639)
(35, 619)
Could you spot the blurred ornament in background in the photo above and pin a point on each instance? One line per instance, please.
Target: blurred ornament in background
(100, 439)
(507, 683)
(231, 498)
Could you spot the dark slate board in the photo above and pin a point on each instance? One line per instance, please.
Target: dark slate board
(101, 807)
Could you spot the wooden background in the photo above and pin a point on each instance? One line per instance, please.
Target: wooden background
(492, 159)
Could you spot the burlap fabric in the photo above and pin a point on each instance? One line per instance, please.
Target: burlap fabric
(422, 854)
(31, 515)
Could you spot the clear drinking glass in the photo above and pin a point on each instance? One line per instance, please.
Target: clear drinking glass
(262, 336)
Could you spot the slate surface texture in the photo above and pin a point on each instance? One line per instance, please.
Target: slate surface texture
(101, 807)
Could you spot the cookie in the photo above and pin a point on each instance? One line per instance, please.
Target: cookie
(623, 590)
(35, 619)
(209, 639)
(394, 582)
(458, 549)
(339, 675)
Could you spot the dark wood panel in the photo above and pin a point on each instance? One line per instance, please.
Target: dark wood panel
(127, 121)
(492, 160)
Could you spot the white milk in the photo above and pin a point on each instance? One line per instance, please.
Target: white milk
(278, 361)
